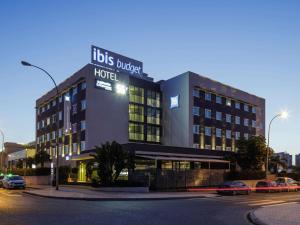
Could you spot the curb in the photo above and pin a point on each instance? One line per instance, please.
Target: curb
(253, 219)
(112, 199)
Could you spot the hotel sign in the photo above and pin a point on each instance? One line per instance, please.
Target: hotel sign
(118, 63)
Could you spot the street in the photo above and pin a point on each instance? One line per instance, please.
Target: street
(22, 209)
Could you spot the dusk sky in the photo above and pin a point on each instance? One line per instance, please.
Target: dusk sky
(253, 46)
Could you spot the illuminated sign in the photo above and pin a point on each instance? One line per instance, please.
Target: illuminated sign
(174, 102)
(119, 63)
(105, 85)
(104, 74)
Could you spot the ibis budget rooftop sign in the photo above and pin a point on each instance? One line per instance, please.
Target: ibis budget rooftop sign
(115, 61)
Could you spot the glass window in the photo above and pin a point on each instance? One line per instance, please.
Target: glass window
(228, 134)
(60, 115)
(136, 94)
(60, 99)
(48, 121)
(74, 109)
(246, 107)
(60, 133)
(53, 135)
(83, 86)
(136, 113)
(196, 129)
(237, 135)
(53, 103)
(196, 93)
(237, 105)
(74, 128)
(218, 132)
(83, 104)
(153, 134)
(82, 145)
(218, 99)
(82, 125)
(196, 111)
(207, 96)
(228, 118)
(253, 109)
(136, 131)
(208, 113)
(153, 98)
(253, 123)
(246, 136)
(153, 115)
(228, 148)
(219, 116)
(74, 147)
(74, 91)
(228, 102)
(208, 131)
(237, 120)
(246, 122)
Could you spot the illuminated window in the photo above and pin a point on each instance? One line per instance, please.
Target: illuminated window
(219, 116)
(253, 109)
(253, 123)
(237, 105)
(246, 122)
(136, 132)
(136, 94)
(153, 98)
(196, 111)
(74, 147)
(246, 107)
(218, 99)
(208, 113)
(228, 118)
(228, 134)
(196, 129)
(237, 135)
(246, 136)
(228, 102)
(207, 96)
(136, 113)
(218, 132)
(237, 120)
(82, 145)
(208, 131)
(153, 116)
(153, 134)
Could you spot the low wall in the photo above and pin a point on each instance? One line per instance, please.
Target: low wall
(125, 189)
(37, 180)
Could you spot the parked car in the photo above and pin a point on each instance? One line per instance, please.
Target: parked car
(267, 186)
(1, 179)
(13, 181)
(233, 188)
(287, 184)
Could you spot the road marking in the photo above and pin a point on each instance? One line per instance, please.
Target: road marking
(253, 201)
(285, 203)
(266, 203)
(11, 195)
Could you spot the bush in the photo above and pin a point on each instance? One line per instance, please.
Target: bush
(245, 175)
(30, 172)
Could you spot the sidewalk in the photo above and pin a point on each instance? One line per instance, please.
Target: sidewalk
(91, 194)
(284, 214)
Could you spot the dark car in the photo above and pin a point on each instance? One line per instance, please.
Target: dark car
(233, 188)
(267, 186)
(287, 184)
(13, 181)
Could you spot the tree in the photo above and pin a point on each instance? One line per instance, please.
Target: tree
(251, 154)
(275, 162)
(19, 163)
(41, 157)
(111, 159)
(29, 162)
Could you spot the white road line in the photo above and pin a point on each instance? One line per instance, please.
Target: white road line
(285, 203)
(267, 203)
(11, 195)
(253, 201)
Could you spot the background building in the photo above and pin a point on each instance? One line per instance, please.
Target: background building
(286, 157)
(297, 160)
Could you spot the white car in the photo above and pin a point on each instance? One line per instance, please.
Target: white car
(13, 181)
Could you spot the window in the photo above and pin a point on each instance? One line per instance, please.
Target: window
(207, 96)
(48, 136)
(60, 149)
(218, 132)
(60, 133)
(246, 136)
(48, 121)
(53, 135)
(136, 113)
(208, 131)
(54, 103)
(196, 93)
(82, 145)
(195, 145)
(237, 120)
(237, 105)
(219, 116)
(218, 99)
(196, 129)
(153, 115)
(82, 125)
(48, 106)
(43, 109)
(228, 118)
(246, 107)
(38, 125)
(196, 111)
(83, 86)
(60, 99)
(228, 102)
(74, 128)
(60, 115)
(228, 148)
(83, 104)
(218, 148)
(136, 132)
(136, 94)
(228, 134)
(74, 147)
(66, 149)
(74, 91)
(208, 147)
(253, 109)
(208, 113)
(153, 98)
(153, 133)
(237, 135)
(74, 109)
(246, 122)
(54, 118)
(253, 123)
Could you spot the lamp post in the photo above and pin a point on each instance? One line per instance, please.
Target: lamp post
(283, 115)
(2, 150)
(57, 118)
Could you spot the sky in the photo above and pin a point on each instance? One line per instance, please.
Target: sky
(250, 45)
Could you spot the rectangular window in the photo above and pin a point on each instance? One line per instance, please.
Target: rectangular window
(60, 133)
(66, 149)
(74, 128)
(136, 113)
(208, 131)
(48, 121)
(53, 135)
(219, 148)
(60, 99)
(48, 106)
(228, 148)
(74, 147)
(228, 134)
(208, 113)
(136, 132)
(196, 111)
(228, 102)
(207, 96)
(246, 122)
(237, 120)
(74, 109)
(246, 136)
(48, 136)
(208, 147)
(237, 105)
(219, 116)
(253, 123)
(82, 145)
(228, 118)
(218, 99)
(196, 93)
(153, 134)
(253, 109)
(83, 104)
(74, 91)
(196, 129)
(153, 98)
(136, 94)
(60, 115)
(237, 135)
(246, 107)
(54, 103)
(83, 86)
(82, 125)
(153, 115)
(218, 132)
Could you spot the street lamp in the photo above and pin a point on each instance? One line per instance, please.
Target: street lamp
(2, 150)
(57, 117)
(283, 115)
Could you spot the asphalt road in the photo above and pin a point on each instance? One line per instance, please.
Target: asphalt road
(17, 208)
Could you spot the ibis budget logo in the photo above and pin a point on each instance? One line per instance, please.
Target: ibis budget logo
(115, 61)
